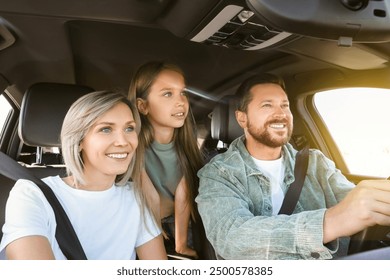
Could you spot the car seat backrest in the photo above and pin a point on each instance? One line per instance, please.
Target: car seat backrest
(43, 109)
(224, 126)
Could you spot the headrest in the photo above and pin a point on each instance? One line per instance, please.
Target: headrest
(224, 126)
(43, 110)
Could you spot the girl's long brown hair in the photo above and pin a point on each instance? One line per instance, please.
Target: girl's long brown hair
(185, 138)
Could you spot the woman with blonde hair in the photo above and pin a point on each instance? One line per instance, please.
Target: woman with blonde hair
(102, 194)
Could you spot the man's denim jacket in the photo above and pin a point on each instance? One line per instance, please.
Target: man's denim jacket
(235, 205)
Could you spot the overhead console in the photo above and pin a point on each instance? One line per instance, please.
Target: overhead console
(235, 26)
(345, 21)
(258, 24)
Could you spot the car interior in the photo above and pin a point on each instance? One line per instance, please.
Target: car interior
(52, 52)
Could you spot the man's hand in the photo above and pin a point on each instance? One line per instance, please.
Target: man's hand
(366, 205)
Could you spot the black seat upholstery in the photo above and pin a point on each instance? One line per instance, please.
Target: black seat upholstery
(224, 127)
(43, 109)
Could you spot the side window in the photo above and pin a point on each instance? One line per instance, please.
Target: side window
(5, 109)
(358, 121)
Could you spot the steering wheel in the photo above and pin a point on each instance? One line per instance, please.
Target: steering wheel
(371, 238)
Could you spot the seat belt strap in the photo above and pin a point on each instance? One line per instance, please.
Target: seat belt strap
(65, 234)
(292, 195)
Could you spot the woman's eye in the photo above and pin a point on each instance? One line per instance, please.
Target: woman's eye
(130, 129)
(168, 94)
(105, 130)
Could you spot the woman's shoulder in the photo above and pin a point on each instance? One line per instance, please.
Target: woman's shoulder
(53, 181)
(28, 192)
(24, 186)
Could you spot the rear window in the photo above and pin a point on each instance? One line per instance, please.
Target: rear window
(5, 109)
(358, 119)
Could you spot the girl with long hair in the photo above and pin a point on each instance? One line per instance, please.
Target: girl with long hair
(169, 143)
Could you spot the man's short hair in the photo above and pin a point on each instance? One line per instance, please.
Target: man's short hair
(243, 92)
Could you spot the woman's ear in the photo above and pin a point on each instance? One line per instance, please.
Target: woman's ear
(241, 118)
(141, 106)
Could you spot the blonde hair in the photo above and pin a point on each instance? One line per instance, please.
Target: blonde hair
(185, 137)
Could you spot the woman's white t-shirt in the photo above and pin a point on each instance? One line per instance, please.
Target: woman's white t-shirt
(108, 223)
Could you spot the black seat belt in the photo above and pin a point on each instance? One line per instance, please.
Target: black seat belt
(65, 234)
(293, 192)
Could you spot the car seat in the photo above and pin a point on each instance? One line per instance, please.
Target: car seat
(224, 127)
(43, 109)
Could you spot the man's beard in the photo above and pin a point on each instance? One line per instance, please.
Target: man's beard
(266, 138)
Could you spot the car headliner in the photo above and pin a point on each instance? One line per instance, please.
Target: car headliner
(100, 44)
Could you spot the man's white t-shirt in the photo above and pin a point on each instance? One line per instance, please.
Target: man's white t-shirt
(274, 170)
(108, 223)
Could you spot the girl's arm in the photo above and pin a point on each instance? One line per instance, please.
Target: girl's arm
(34, 247)
(151, 192)
(182, 219)
(152, 250)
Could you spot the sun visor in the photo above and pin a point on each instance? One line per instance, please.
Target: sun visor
(6, 37)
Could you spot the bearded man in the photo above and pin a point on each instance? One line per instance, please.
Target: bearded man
(242, 189)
